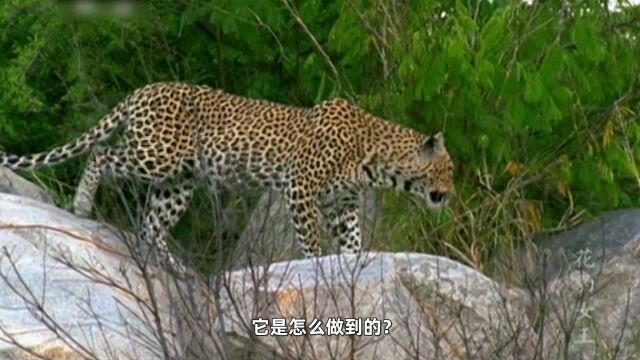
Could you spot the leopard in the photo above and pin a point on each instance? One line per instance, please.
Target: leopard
(177, 136)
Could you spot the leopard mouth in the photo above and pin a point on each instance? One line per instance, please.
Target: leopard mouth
(437, 200)
(434, 200)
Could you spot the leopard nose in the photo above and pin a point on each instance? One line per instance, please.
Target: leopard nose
(437, 196)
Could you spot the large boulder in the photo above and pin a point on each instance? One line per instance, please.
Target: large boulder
(605, 237)
(11, 183)
(591, 286)
(69, 288)
(379, 306)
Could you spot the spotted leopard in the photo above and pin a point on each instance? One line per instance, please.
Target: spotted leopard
(178, 135)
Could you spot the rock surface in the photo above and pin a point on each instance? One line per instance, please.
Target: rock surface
(268, 236)
(436, 308)
(68, 286)
(594, 279)
(605, 237)
(11, 183)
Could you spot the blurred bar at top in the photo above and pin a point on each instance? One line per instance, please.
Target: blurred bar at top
(91, 9)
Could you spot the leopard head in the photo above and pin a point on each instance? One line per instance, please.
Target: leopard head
(419, 165)
(431, 178)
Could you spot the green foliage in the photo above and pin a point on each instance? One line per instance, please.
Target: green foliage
(549, 90)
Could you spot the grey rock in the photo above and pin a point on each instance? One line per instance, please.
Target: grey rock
(11, 183)
(268, 236)
(437, 308)
(604, 237)
(69, 286)
(601, 310)
(592, 287)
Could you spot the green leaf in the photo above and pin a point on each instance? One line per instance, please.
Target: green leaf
(407, 67)
(586, 38)
(500, 148)
(515, 113)
(566, 172)
(483, 141)
(310, 63)
(468, 24)
(533, 89)
(492, 34)
(461, 8)
(485, 72)
(418, 44)
(635, 131)
(553, 114)
(552, 66)
(456, 49)
(619, 161)
(606, 173)
(432, 76)
(561, 95)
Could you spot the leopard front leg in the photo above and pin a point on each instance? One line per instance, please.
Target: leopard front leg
(306, 217)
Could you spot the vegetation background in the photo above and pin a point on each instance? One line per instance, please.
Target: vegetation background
(539, 102)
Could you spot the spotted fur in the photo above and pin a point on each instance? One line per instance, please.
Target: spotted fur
(319, 158)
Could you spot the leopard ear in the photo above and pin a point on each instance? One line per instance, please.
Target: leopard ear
(433, 145)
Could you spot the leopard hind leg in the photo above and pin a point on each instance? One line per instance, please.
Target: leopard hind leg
(104, 162)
